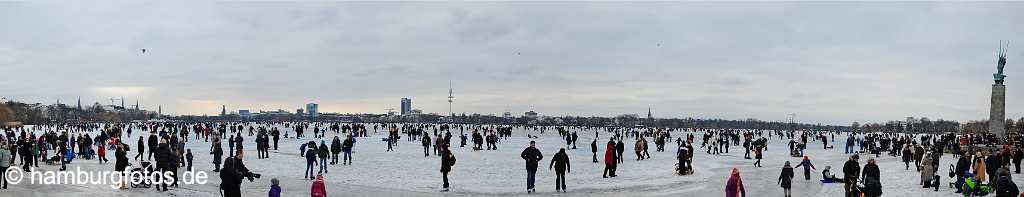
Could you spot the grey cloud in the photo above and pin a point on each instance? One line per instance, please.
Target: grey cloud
(834, 62)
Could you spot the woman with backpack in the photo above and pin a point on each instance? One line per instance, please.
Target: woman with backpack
(447, 161)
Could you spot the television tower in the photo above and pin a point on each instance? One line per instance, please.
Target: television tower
(451, 99)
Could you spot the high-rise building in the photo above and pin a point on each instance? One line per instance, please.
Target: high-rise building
(406, 106)
(223, 110)
(311, 109)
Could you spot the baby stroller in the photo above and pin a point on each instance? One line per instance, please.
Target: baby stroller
(974, 187)
(145, 169)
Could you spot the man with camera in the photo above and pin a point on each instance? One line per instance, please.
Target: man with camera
(232, 174)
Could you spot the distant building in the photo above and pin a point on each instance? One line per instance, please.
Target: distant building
(299, 113)
(531, 114)
(223, 110)
(406, 106)
(311, 109)
(650, 117)
(244, 113)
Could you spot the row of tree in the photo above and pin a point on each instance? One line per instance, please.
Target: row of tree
(37, 113)
(924, 125)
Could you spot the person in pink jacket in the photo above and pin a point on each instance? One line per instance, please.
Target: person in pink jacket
(318, 189)
(734, 188)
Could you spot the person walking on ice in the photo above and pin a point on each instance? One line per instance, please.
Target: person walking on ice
(734, 187)
(561, 165)
(532, 156)
(786, 179)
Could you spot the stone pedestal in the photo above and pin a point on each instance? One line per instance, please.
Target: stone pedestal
(997, 115)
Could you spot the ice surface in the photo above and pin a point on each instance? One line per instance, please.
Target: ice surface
(406, 172)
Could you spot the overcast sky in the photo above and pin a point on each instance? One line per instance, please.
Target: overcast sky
(831, 63)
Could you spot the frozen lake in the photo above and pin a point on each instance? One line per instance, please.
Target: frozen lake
(405, 172)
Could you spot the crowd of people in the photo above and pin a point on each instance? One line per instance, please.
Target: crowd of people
(983, 164)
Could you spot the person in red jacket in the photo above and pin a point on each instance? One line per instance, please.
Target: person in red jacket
(734, 188)
(318, 189)
(610, 159)
(102, 153)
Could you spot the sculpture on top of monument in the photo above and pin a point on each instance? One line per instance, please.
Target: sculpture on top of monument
(999, 76)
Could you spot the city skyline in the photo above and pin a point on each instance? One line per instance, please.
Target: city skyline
(832, 64)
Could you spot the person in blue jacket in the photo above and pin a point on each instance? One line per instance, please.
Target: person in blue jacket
(806, 163)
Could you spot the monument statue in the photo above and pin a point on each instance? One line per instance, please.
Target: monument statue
(999, 76)
(997, 112)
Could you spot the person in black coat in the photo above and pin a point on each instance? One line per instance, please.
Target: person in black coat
(346, 149)
(1018, 155)
(872, 179)
(173, 163)
(962, 165)
(152, 144)
(560, 162)
(532, 156)
(918, 156)
(992, 164)
(593, 148)
(786, 179)
(851, 170)
(426, 145)
(163, 156)
(142, 149)
(1005, 187)
(620, 148)
(231, 179)
(447, 161)
(277, 136)
(309, 151)
(120, 157)
(217, 151)
(908, 156)
(238, 141)
(335, 149)
(323, 152)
